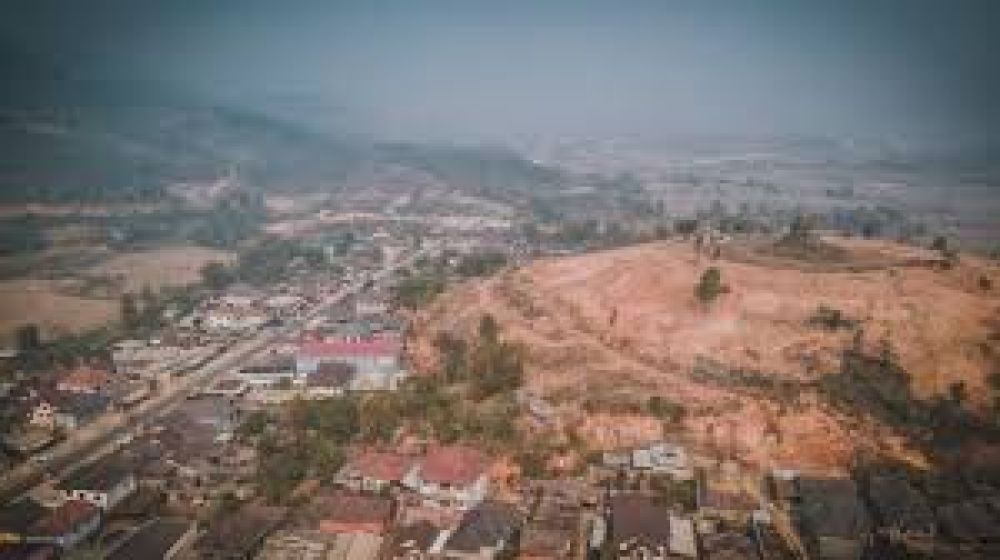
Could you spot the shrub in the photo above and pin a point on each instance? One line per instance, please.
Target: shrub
(710, 285)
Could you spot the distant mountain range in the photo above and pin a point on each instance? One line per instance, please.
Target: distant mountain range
(67, 140)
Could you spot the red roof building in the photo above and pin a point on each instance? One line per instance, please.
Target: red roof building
(84, 379)
(388, 467)
(343, 512)
(346, 349)
(453, 465)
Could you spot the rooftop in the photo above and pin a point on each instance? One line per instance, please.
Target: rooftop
(413, 538)
(347, 508)
(370, 347)
(898, 504)
(382, 465)
(152, 540)
(484, 526)
(237, 534)
(453, 465)
(640, 519)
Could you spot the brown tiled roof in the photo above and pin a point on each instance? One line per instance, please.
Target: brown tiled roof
(347, 508)
(382, 466)
(65, 518)
(453, 465)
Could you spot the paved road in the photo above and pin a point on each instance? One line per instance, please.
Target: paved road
(93, 441)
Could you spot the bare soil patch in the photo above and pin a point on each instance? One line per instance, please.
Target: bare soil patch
(628, 319)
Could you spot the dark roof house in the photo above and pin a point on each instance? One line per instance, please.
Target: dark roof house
(158, 539)
(899, 508)
(832, 517)
(487, 529)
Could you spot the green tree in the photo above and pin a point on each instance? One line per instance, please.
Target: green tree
(940, 243)
(710, 285)
(216, 275)
(254, 424)
(379, 417)
(488, 329)
(28, 338)
(454, 356)
(130, 316)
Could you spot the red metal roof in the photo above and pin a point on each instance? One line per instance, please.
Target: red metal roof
(453, 465)
(373, 347)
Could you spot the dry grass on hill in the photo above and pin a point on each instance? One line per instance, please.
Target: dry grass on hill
(626, 321)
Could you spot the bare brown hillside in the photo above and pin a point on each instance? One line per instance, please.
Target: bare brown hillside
(626, 324)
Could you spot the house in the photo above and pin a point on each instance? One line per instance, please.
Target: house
(415, 541)
(239, 535)
(833, 521)
(901, 511)
(376, 360)
(640, 526)
(268, 370)
(375, 471)
(234, 320)
(230, 388)
(616, 460)
(370, 306)
(556, 524)
(486, 531)
(451, 476)
(729, 546)
(343, 512)
(240, 296)
(306, 544)
(330, 379)
(104, 484)
(663, 458)
(67, 525)
(84, 379)
(157, 539)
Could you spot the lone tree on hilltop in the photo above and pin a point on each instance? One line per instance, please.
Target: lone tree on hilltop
(710, 286)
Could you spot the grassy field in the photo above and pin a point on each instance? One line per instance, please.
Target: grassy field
(45, 303)
(168, 266)
(63, 300)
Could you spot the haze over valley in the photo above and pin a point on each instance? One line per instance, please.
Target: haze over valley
(373, 280)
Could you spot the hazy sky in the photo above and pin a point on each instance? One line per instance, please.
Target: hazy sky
(468, 70)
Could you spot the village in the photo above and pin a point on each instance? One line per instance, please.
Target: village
(240, 431)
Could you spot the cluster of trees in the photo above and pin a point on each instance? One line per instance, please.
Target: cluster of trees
(489, 365)
(831, 319)
(21, 235)
(481, 264)
(265, 263)
(878, 385)
(417, 290)
(232, 220)
(314, 434)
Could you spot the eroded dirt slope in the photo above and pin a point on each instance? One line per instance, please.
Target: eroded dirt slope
(627, 321)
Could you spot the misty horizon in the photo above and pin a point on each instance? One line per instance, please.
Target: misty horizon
(914, 72)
